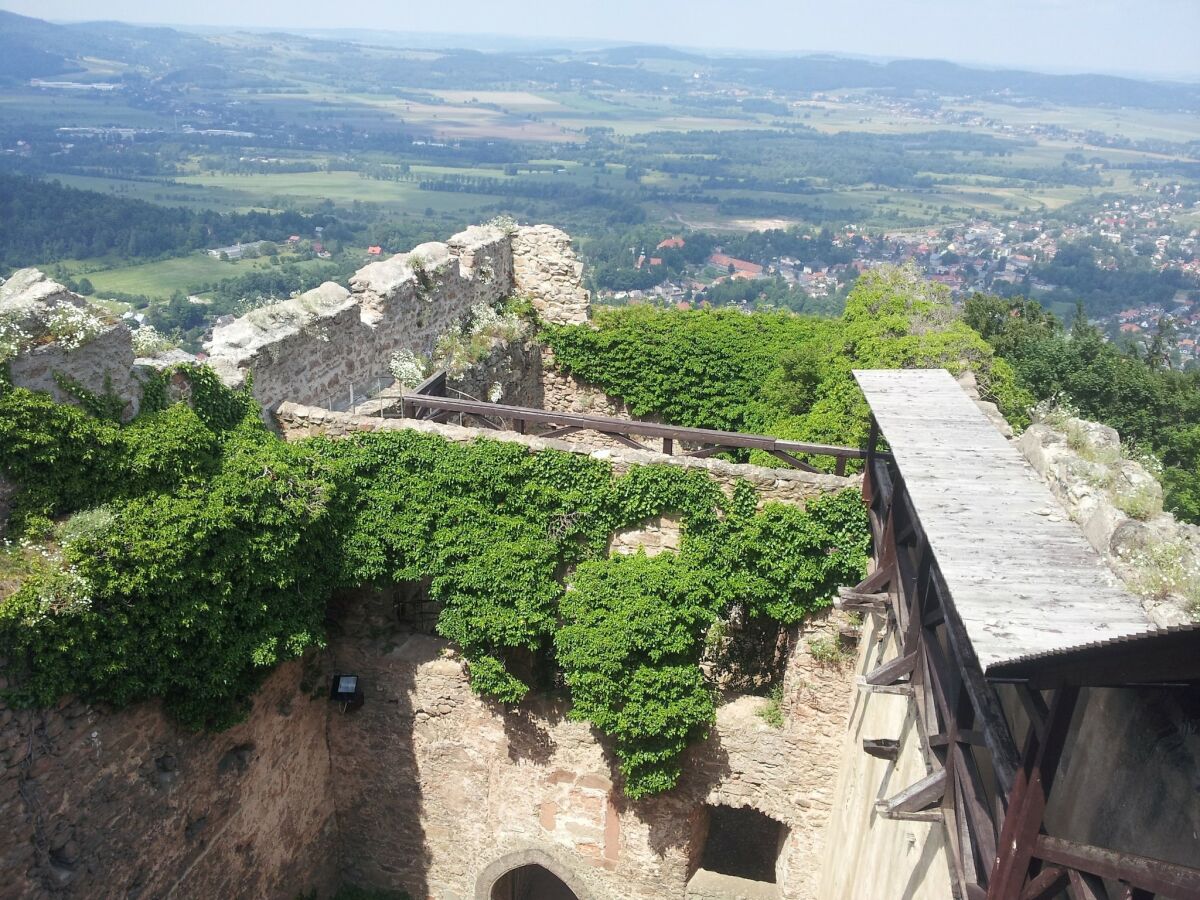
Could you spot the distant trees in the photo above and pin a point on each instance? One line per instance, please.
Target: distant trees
(44, 221)
(1150, 405)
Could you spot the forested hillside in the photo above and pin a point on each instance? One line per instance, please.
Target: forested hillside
(1152, 406)
(43, 221)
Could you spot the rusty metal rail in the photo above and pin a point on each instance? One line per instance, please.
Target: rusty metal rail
(424, 404)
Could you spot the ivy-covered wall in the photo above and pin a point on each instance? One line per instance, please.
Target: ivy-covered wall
(781, 374)
(191, 550)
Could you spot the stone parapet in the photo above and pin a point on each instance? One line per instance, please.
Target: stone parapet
(784, 485)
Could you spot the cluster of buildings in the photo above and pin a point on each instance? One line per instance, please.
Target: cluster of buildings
(985, 256)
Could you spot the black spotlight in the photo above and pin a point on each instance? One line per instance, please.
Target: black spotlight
(344, 689)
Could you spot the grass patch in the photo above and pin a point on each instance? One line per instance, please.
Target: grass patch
(830, 651)
(772, 713)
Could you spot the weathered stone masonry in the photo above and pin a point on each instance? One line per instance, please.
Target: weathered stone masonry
(311, 348)
(426, 788)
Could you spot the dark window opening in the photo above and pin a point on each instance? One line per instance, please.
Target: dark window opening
(531, 882)
(742, 842)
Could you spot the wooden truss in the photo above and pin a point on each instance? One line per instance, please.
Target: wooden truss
(989, 797)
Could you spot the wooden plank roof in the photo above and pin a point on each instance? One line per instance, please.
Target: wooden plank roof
(1021, 576)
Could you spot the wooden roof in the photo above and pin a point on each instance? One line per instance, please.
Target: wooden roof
(1021, 576)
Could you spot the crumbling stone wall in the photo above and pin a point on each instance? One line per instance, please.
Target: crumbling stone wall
(1084, 466)
(100, 804)
(784, 485)
(546, 270)
(439, 792)
(103, 364)
(317, 347)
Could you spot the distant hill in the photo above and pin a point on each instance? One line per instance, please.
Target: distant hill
(824, 73)
(31, 48)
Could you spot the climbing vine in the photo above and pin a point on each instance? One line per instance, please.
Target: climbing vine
(782, 374)
(195, 550)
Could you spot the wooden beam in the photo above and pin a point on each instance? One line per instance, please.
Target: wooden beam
(881, 748)
(902, 688)
(991, 717)
(1086, 886)
(791, 460)
(559, 432)
(880, 578)
(851, 600)
(613, 425)
(1027, 802)
(628, 442)
(932, 816)
(893, 670)
(962, 736)
(1047, 884)
(1035, 708)
(916, 797)
(1143, 872)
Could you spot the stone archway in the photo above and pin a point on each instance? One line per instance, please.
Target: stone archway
(531, 882)
(531, 867)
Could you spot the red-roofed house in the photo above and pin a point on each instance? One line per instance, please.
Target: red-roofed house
(741, 268)
(374, 251)
(675, 242)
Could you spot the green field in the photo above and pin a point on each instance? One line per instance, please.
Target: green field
(274, 191)
(163, 278)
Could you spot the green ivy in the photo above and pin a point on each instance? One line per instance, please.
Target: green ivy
(220, 546)
(782, 374)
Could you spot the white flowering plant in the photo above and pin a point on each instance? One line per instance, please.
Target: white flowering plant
(407, 367)
(72, 326)
(14, 339)
(149, 341)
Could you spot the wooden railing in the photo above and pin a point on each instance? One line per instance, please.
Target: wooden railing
(990, 798)
(428, 401)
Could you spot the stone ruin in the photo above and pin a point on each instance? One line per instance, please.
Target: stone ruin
(426, 788)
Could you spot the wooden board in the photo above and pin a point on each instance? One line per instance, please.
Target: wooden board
(1021, 576)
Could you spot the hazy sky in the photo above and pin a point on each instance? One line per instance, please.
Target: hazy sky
(1134, 36)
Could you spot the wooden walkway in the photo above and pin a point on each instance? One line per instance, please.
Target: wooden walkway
(1019, 572)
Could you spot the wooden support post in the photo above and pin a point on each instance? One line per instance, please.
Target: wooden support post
(1086, 886)
(893, 670)
(621, 439)
(668, 446)
(916, 797)
(791, 460)
(1155, 876)
(881, 748)
(840, 466)
(1049, 882)
(1027, 802)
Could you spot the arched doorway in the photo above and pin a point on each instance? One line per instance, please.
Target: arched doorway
(531, 882)
(531, 874)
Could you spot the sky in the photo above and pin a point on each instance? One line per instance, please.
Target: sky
(1138, 37)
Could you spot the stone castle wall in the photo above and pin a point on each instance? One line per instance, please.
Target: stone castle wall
(784, 485)
(125, 804)
(441, 792)
(102, 364)
(317, 347)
